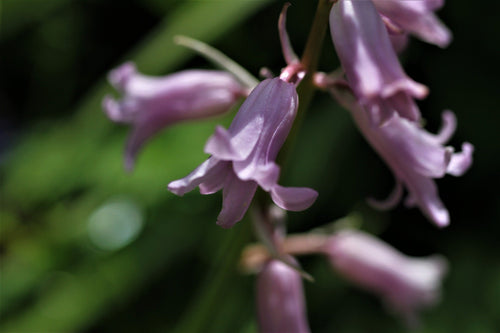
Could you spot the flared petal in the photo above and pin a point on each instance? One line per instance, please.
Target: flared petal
(220, 146)
(293, 198)
(423, 192)
(198, 176)
(237, 196)
(120, 76)
(461, 162)
(215, 180)
(266, 175)
(120, 112)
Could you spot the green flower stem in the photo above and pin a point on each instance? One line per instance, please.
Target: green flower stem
(305, 91)
(309, 61)
(219, 59)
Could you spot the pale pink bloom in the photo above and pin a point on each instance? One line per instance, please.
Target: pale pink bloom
(151, 103)
(243, 157)
(404, 283)
(370, 62)
(280, 300)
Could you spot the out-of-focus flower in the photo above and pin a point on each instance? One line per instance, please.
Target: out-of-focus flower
(370, 62)
(152, 103)
(243, 156)
(418, 18)
(405, 284)
(280, 300)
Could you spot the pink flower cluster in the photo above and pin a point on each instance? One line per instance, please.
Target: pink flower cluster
(381, 97)
(384, 107)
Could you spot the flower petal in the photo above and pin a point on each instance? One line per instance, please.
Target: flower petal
(220, 146)
(215, 180)
(461, 162)
(423, 192)
(195, 178)
(237, 196)
(417, 18)
(293, 198)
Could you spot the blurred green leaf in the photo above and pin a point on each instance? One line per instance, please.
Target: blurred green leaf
(54, 154)
(82, 158)
(17, 14)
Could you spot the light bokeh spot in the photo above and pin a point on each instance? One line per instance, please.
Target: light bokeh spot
(115, 224)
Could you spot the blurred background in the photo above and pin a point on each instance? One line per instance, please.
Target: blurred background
(86, 247)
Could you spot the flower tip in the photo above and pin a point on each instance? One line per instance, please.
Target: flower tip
(225, 224)
(129, 162)
(176, 187)
(219, 145)
(461, 162)
(441, 218)
(120, 76)
(443, 38)
(293, 198)
(112, 109)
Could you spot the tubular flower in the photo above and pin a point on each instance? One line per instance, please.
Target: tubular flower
(243, 156)
(405, 284)
(416, 157)
(370, 62)
(152, 103)
(417, 17)
(280, 300)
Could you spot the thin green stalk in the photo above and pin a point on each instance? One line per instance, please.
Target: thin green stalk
(309, 60)
(219, 59)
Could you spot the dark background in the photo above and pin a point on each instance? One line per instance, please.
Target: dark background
(71, 263)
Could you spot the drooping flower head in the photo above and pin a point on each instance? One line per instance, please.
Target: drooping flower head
(414, 155)
(405, 284)
(280, 300)
(243, 157)
(370, 62)
(152, 103)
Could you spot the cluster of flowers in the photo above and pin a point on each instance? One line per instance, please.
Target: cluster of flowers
(367, 34)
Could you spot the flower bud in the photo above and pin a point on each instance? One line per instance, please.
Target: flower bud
(280, 300)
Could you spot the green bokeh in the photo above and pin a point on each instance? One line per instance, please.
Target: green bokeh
(61, 161)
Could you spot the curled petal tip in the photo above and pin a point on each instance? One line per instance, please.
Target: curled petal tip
(440, 216)
(448, 127)
(461, 162)
(111, 108)
(120, 76)
(392, 200)
(286, 46)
